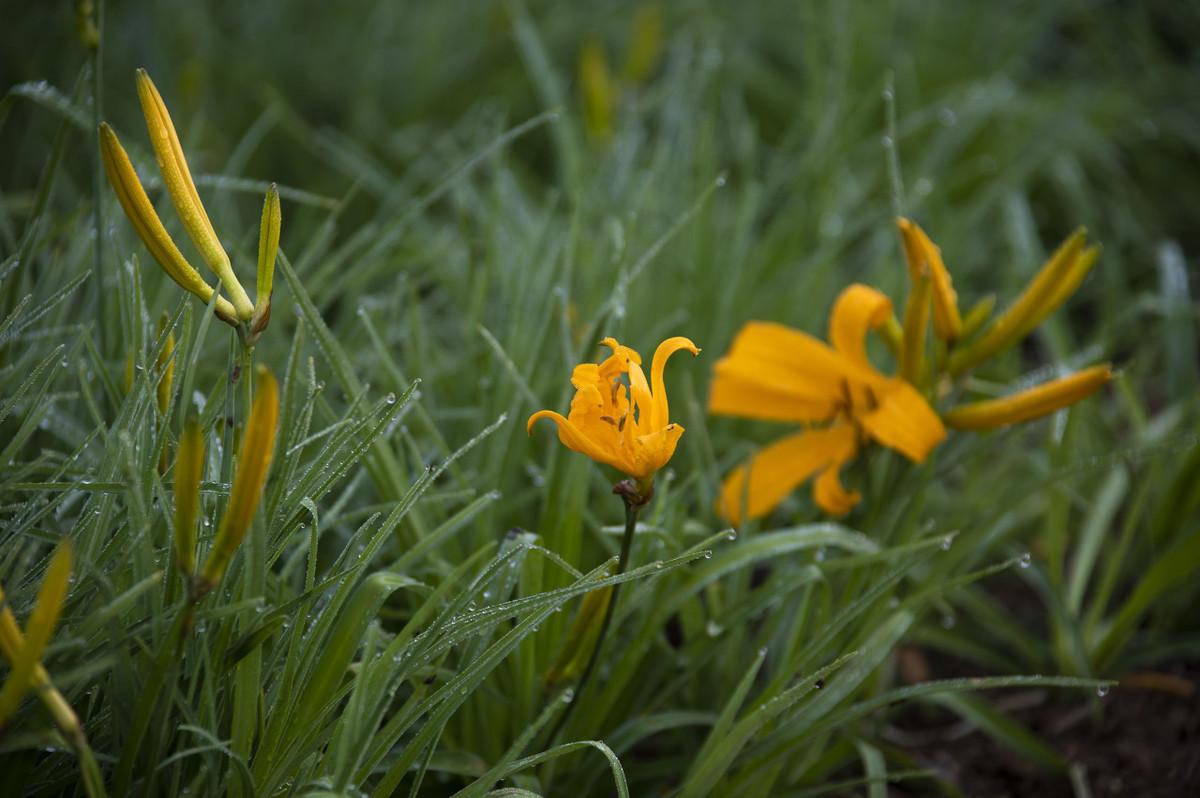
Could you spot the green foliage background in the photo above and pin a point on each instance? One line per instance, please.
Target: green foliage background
(448, 220)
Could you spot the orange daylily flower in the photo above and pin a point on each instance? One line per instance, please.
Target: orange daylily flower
(626, 426)
(777, 373)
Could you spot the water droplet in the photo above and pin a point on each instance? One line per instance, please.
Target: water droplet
(1026, 560)
(947, 542)
(731, 535)
(1102, 691)
(708, 554)
(819, 684)
(390, 399)
(721, 180)
(762, 652)
(887, 142)
(658, 565)
(947, 117)
(887, 94)
(712, 628)
(568, 696)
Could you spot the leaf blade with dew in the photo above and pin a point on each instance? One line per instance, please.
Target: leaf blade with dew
(477, 788)
(10, 328)
(899, 695)
(1001, 728)
(733, 705)
(1171, 567)
(874, 767)
(703, 776)
(1097, 523)
(338, 650)
(189, 468)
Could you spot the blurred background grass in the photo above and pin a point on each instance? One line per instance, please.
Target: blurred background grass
(755, 153)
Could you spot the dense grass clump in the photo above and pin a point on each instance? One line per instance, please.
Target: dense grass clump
(415, 596)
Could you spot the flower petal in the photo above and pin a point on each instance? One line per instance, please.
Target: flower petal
(827, 490)
(904, 421)
(575, 438)
(858, 310)
(757, 486)
(660, 412)
(639, 391)
(778, 373)
(654, 451)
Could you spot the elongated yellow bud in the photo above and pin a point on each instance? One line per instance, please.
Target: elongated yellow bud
(254, 460)
(149, 227)
(925, 258)
(1030, 404)
(189, 468)
(1073, 277)
(165, 363)
(1045, 292)
(178, 180)
(916, 319)
(599, 92)
(581, 638)
(268, 249)
(24, 653)
(645, 43)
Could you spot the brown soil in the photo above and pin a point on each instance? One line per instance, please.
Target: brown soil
(1142, 740)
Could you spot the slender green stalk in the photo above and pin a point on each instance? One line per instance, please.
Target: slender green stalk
(98, 187)
(632, 509)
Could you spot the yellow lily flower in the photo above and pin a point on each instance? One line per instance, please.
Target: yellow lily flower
(623, 425)
(776, 373)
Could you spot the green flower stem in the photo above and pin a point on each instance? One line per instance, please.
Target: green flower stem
(633, 506)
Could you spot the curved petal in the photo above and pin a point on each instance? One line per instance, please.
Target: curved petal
(573, 437)
(660, 414)
(775, 372)
(858, 310)
(639, 392)
(618, 361)
(654, 451)
(757, 486)
(904, 421)
(828, 492)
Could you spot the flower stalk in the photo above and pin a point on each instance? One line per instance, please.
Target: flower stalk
(634, 497)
